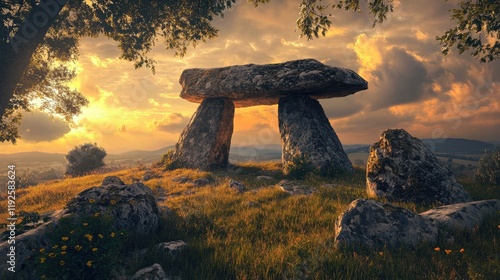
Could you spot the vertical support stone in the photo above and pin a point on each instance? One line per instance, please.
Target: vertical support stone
(205, 142)
(306, 132)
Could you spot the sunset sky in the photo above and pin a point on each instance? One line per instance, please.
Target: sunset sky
(411, 85)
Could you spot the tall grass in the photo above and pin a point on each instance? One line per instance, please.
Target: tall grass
(265, 233)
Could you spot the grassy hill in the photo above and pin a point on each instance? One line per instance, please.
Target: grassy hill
(267, 234)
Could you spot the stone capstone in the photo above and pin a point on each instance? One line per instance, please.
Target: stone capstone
(372, 224)
(464, 216)
(205, 142)
(306, 132)
(401, 168)
(249, 85)
(132, 207)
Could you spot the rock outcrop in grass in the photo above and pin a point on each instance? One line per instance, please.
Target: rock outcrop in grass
(401, 168)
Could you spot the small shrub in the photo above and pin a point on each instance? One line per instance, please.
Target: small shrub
(299, 167)
(168, 161)
(81, 248)
(84, 159)
(488, 169)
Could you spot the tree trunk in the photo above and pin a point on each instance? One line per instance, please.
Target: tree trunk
(16, 55)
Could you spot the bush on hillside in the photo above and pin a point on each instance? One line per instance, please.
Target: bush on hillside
(488, 169)
(168, 161)
(84, 159)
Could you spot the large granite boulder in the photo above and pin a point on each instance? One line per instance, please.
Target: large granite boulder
(205, 142)
(132, 207)
(249, 85)
(372, 224)
(401, 168)
(306, 132)
(464, 216)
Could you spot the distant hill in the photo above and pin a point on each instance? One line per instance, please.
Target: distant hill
(32, 157)
(457, 146)
(141, 153)
(453, 146)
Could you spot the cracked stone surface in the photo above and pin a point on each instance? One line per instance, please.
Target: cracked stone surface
(464, 216)
(250, 85)
(401, 168)
(132, 207)
(373, 224)
(205, 142)
(306, 131)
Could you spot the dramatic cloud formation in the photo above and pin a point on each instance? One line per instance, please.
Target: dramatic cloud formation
(411, 85)
(38, 127)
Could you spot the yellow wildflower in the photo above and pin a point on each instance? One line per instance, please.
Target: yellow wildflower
(42, 250)
(65, 238)
(437, 249)
(113, 202)
(462, 250)
(88, 236)
(78, 247)
(42, 260)
(112, 234)
(64, 248)
(71, 232)
(447, 251)
(97, 214)
(94, 249)
(61, 263)
(381, 253)
(55, 246)
(91, 200)
(89, 263)
(85, 224)
(63, 253)
(52, 255)
(100, 236)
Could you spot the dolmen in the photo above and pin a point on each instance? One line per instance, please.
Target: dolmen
(294, 85)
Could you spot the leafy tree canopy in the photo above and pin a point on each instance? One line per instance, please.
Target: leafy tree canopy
(84, 159)
(137, 25)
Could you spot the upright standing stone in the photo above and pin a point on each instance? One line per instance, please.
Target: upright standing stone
(305, 131)
(401, 168)
(206, 141)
